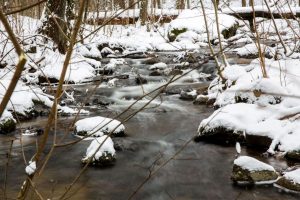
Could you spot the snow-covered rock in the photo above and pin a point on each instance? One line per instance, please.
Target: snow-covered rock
(160, 66)
(79, 70)
(250, 51)
(290, 181)
(100, 152)
(252, 171)
(193, 22)
(98, 126)
(7, 123)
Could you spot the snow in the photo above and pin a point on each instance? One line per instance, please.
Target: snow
(270, 105)
(159, 65)
(98, 126)
(193, 20)
(252, 49)
(252, 164)
(78, 70)
(293, 176)
(238, 148)
(107, 146)
(30, 169)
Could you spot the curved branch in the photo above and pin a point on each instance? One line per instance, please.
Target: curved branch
(19, 66)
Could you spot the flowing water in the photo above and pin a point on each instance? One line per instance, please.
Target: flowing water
(199, 171)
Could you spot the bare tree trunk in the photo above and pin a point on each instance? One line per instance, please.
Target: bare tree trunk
(251, 3)
(55, 26)
(180, 4)
(188, 4)
(243, 3)
(144, 12)
(159, 4)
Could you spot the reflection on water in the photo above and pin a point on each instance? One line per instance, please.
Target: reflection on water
(201, 171)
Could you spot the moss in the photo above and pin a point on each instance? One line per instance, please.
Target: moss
(227, 33)
(243, 175)
(172, 35)
(7, 126)
(288, 184)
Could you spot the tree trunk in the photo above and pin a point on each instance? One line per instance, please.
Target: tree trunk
(243, 3)
(55, 26)
(251, 3)
(144, 12)
(159, 4)
(180, 4)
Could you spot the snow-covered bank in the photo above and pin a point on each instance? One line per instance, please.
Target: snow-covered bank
(252, 105)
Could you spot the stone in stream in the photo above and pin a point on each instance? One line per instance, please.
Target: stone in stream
(139, 80)
(290, 181)
(248, 170)
(219, 135)
(258, 141)
(100, 152)
(295, 154)
(7, 125)
(151, 61)
(189, 96)
(98, 126)
(155, 73)
(158, 66)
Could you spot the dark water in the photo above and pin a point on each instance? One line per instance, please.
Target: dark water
(200, 171)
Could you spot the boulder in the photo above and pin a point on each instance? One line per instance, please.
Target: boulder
(98, 126)
(100, 152)
(248, 170)
(7, 125)
(220, 135)
(293, 154)
(290, 181)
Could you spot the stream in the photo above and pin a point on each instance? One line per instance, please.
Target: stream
(200, 171)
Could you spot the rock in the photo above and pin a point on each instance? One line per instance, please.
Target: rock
(3, 64)
(248, 170)
(47, 80)
(98, 126)
(7, 125)
(155, 73)
(158, 66)
(220, 135)
(151, 61)
(189, 96)
(200, 100)
(101, 152)
(31, 49)
(172, 35)
(175, 72)
(293, 154)
(258, 141)
(140, 80)
(231, 31)
(290, 181)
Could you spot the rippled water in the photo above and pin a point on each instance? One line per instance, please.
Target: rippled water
(200, 171)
